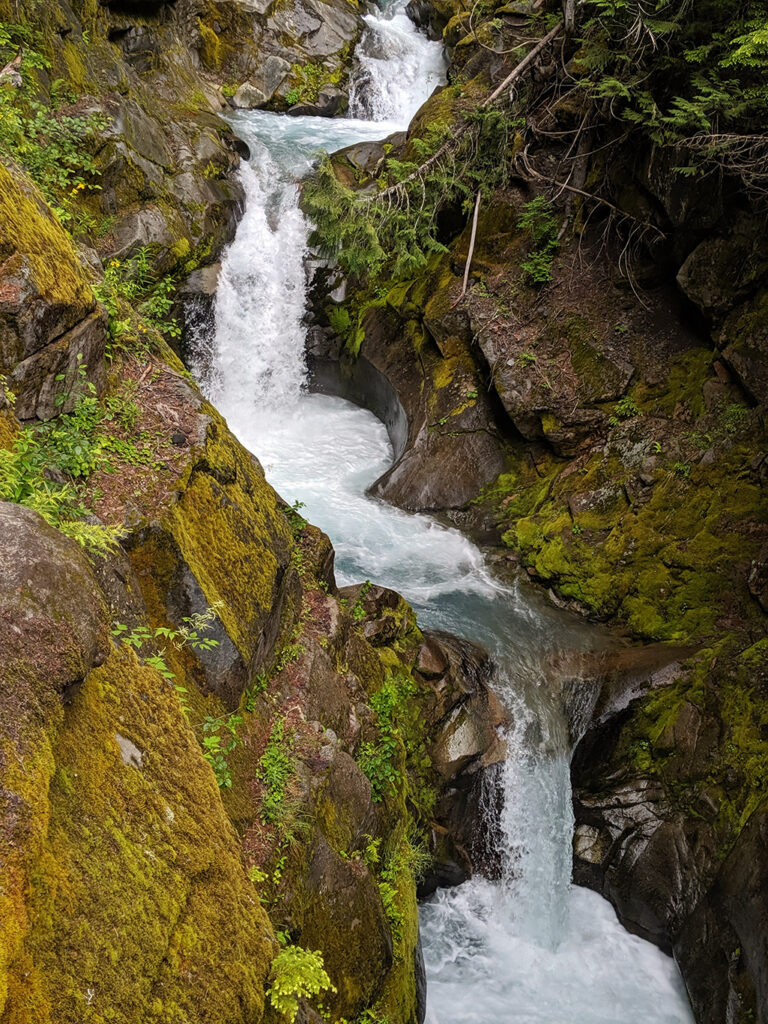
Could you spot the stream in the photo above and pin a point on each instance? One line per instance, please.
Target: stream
(530, 947)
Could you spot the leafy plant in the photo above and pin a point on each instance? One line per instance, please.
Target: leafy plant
(379, 761)
(297, 522)
(49, 141)
(401, 233)
(538, 219)
(297, 974)
(276, 766)
(219, 740)
(626, 408)
(138, 302)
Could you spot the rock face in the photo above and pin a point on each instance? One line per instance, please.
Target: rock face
(670, 810)
(76, 816)
(49, 323)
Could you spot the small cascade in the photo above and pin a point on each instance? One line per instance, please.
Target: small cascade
(536, 822)
(396, 68)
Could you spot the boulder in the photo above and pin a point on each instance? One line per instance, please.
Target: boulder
(52, 615)
(249, 96)
(725, 268)
(330, 101)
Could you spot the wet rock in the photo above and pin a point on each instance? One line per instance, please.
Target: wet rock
(319, 29)
(330, 101)
(470, 734)
(432, 661)
(652, 841)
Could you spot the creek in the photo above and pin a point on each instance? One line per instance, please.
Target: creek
(529, 947)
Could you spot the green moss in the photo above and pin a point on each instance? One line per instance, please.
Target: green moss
(211, 49)
(139, 867)
(726, 778)
(40, 242)
(232, 534)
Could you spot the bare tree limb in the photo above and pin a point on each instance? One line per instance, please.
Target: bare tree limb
(471, 249)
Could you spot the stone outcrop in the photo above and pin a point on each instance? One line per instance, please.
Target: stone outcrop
(670, 810)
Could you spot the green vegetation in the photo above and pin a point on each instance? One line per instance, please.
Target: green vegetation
(276, 767)
(309, 80)
(626, 408)
(296, 520)
(366, 235)
(138, 302)
(48, 463)
(380, 762)
(48, 139)
(538, 219)
(681, 72)
(296, 974)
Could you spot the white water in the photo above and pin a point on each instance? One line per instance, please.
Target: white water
(530, 948)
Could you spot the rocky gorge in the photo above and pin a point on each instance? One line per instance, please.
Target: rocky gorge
(223, 775)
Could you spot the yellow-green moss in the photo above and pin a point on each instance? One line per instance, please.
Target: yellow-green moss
(141, 878)
(211, 49)
(40, 241)
(232, 534)
(8, 428)
(725, 780)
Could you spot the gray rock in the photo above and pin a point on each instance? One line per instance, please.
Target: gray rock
(248, 97)
(34, 379)
(129, 752)
(52, 615)
(330, 101)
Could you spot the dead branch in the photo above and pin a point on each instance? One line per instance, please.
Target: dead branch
(471, 249)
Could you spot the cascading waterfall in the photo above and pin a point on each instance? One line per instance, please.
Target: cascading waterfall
(530, 947)
(393, 64)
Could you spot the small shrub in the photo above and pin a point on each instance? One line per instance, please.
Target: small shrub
(297, 974)
(624, 409)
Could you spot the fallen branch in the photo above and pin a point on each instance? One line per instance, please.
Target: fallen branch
(471, 249)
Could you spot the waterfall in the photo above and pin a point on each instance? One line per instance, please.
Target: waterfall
(396, 68)
(529, 948)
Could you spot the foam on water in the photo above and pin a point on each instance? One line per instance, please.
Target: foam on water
(529, 948)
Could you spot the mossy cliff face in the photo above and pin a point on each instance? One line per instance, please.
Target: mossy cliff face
(122, 873)
(47, 309)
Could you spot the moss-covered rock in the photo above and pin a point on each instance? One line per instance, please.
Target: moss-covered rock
(115, 845)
